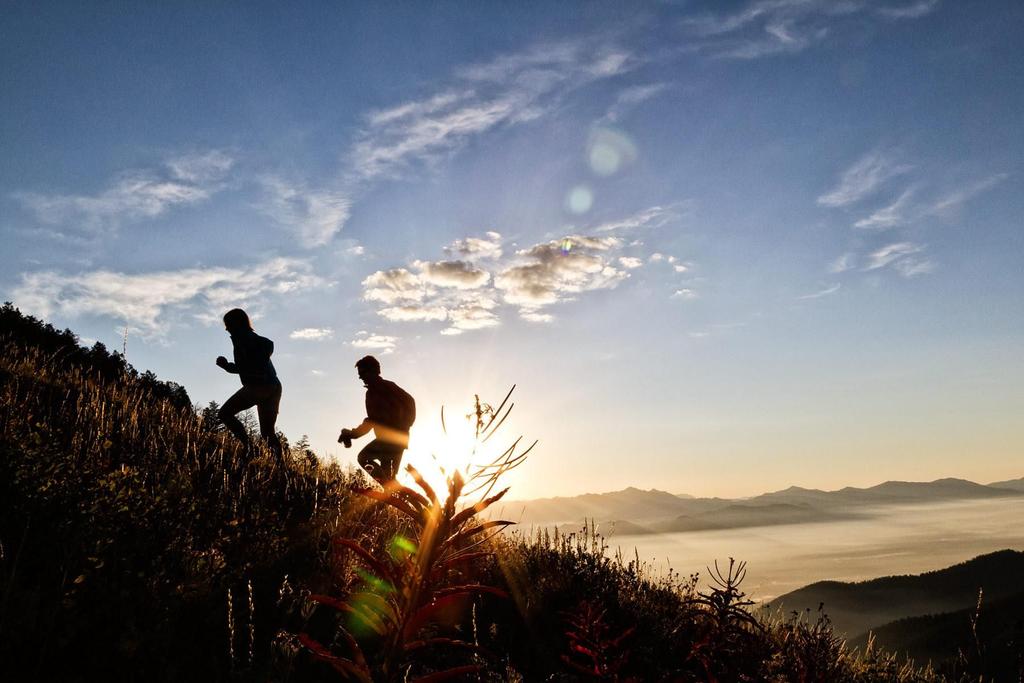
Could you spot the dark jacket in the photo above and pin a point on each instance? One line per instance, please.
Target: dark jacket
(389, 405)
(252, 359)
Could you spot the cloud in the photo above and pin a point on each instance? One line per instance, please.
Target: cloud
(472, 316)
(820, 293)
(392, 286)
(903, 257)
(146, 301)
(630, 97)
(439, 291)
(201, 167)
(535, 316)
(913, 10)
(135, 195)
(379, 342)
(510, 90)
(653, 217)
(901, 212)
(472, 248)
(889, 216)
(312, 334)
(409, 312)
(685, 294)
(911, 267)
(551, 271)
(313, 216)
(952, 201)
(843, 263)
(468, 293)
(630, 262)
(765, 28)
(458, 274)
(862, 179)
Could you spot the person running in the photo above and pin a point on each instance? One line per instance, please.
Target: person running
(390, 413)
(260, 386)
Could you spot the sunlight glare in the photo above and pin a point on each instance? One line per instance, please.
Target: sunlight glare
(437, 454)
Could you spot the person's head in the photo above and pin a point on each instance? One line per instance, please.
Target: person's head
(368, 368)
(236, 320)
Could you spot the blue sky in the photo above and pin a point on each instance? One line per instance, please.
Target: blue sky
(721, 247)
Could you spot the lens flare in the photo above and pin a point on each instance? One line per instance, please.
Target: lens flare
(609, 150)
(566, 246)
(580, 199)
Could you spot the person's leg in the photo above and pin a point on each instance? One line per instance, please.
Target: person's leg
(391, 460)
(267, 409)
(242, 399)
(370, 459)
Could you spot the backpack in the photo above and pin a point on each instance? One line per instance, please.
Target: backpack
(403, 406)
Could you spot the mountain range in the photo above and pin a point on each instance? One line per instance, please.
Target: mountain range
(633, 511)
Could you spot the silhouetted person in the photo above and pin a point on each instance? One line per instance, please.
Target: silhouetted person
(390, 412)
(260, 386)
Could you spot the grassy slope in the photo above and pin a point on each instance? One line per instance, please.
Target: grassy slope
(140, 544)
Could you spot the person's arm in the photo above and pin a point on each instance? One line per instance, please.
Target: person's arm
(348, 434)
(229, 367)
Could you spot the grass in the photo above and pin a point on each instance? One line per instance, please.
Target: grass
(139, 542)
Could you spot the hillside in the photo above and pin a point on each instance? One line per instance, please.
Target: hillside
(943, 638)
(856, 607)
(1011, 484)
(140, 543)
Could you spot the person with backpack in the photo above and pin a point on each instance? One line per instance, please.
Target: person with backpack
(260, 385)
(390, 413)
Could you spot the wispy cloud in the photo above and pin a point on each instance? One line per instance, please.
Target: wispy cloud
(862, 179)
(312, 334)
(509, 90)
(913, 10)
(314, 216)
(952, 201)
(766, 28)
(135, 195)
(888, 216)
(903, 257)
(146, 301)
(821, 292)
(843, 263)
(631, 97)
(686, 294)
(652, 217)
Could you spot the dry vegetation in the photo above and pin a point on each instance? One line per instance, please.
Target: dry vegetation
(140, 543)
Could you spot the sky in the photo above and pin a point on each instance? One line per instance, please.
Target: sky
(719, 248)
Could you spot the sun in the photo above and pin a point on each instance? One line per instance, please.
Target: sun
(437, 453)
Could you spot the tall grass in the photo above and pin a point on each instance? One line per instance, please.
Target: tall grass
(126, 518)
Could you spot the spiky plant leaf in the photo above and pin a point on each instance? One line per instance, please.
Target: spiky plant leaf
(477, 508)
(377, 567)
